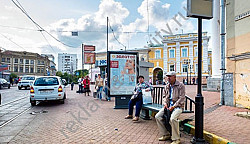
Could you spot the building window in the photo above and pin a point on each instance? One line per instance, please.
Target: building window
(31, 70)
(21, 69)
(16, 60)
(184, 52)
(38, 70)
(15, 68)
(26, 61)
(42, 62)
(196, 52)
(171, 53)
(21, 61)
(3, 59)
(42, 70)
(26, 70)
(158, 54)
(8, 60)
(184, 68)
(31, 61)
(38, 62)
(171, 67)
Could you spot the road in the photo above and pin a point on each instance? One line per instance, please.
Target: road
(14, 103)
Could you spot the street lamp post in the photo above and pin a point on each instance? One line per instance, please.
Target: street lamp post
(195, 9)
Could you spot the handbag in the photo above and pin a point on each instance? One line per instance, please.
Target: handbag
(147, 98)
(166, 117)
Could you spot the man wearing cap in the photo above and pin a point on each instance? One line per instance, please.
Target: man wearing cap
(174, 94)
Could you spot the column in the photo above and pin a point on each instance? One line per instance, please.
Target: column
(178, 57)
(165, 59)
(215, 39)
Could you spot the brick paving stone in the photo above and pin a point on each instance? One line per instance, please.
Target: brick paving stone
(97, 124)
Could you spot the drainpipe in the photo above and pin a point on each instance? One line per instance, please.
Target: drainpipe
(222, 92)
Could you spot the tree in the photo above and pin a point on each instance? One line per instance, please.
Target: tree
(13, 75)
(58, 73)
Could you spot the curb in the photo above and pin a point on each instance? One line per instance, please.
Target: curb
(209, 137)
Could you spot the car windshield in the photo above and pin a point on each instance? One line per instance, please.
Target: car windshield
(46, 81)
(3, 81)
(28, 78)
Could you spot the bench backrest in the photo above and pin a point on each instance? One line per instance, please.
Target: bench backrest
(157, 96)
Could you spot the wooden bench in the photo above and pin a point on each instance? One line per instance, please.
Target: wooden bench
(156, 105)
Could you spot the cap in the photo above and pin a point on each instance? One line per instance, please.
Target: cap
(171, 73)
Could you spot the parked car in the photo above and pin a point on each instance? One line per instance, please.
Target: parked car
(47, 88)
(4, 83)
(25, 82)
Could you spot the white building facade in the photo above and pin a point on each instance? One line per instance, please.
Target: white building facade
(67, 63)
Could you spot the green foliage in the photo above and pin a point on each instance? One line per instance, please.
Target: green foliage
(59, 74)
(72, 78)
(13, 75)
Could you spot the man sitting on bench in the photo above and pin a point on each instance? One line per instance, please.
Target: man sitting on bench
(175, 95)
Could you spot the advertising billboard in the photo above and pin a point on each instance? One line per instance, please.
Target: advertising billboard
(89, 58)
(122, 73)
(89, 48)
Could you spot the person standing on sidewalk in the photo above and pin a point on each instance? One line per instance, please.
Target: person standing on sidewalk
(80, 85)
(99, 86)
(137, 99)
(174, 95)
(72, 85)
(86, 84)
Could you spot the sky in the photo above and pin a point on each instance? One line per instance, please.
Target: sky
(132, 24)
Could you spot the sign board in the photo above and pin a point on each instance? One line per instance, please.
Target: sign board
(77, 73)
(89, 58)
(88, 48)
(101, 62)
(3, 67)
(74, 33)
(122, 72)
(200, 8)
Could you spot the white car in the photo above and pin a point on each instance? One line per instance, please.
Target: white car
(47, 88)
(25, 82)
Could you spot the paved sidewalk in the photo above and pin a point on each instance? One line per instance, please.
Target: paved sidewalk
(221, 120)
(82, 119)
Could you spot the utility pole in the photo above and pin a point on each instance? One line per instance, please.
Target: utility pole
(222, 93)
(107, 35)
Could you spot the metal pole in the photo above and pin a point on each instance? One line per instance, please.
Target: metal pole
(199, 98)
(222, 93)
(107, 37)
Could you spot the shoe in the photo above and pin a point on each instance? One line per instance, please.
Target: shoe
(164, 138)
(136, 118)
(128, 117)
(176, 142)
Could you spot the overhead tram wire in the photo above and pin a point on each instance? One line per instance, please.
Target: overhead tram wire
(116, 38)
(41, 29)
(18, 28)
(13, 41)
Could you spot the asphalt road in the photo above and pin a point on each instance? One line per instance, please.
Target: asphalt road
(14, 103)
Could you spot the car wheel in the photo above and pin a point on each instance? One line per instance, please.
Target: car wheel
(25, 87)
(33, 102)
(62, 101)
(19, 88)
(64, 97)
(8, 86)
(0, 86)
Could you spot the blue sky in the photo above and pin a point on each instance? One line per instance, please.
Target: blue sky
(60, 17)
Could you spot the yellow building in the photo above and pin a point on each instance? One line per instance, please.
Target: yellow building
(179, 53)
(238, 50)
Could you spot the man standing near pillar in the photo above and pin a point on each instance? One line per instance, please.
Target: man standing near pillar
(174, 95)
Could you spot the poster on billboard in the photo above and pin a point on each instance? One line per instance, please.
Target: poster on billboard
(122, 72)
(89, 58)
(89, 48)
